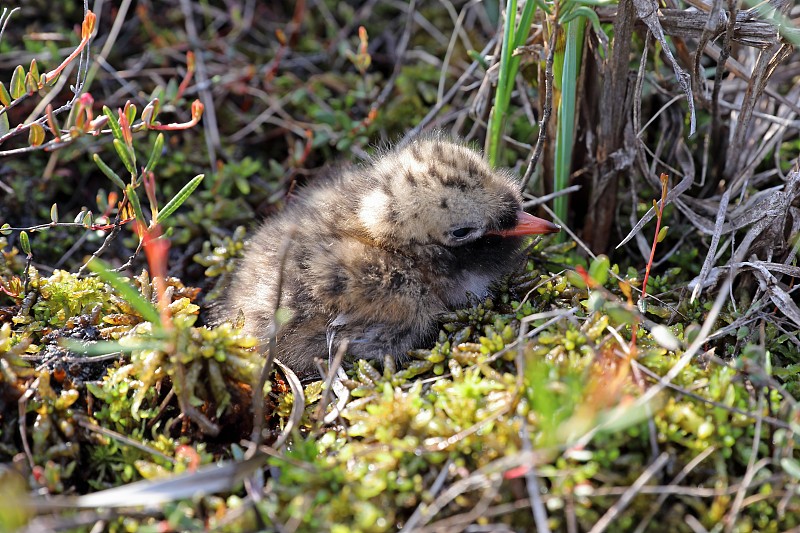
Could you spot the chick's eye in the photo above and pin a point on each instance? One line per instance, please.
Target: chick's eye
(460, 233)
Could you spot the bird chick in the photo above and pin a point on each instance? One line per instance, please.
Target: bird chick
(379, 251)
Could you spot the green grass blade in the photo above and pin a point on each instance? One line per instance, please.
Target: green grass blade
(513, 37)
(565, 134)
(127, 291)
(500, 108)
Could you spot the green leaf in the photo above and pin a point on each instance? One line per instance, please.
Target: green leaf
(150, 111)
(575, 279)
(662, 234)
(596, 301)
(36, 134)
(137, 206)
(155, 154)
(130, 113)
(34, 71)
(54, 213)
(87, 220)
(30, 84)
(476, 56)
(181, 197)
(127, 291)
(126, 155)
(791, 466)
(5, 98)
(25, 243)
(110, 174)
(587, 13)
(72, 118)
(593, 2)
(51, 81)
(742, 333)
(5, 127)
(598, 270)
(620, 315)
(18, 82)
(113, 123)
(5, 229)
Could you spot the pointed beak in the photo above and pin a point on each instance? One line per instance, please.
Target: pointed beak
(528, 225)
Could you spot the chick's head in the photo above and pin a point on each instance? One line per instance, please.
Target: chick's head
(435, 191)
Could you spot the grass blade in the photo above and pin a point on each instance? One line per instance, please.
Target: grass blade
(127, 291)
(566, 112)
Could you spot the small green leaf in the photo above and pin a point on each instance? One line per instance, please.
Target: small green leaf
(476, 56)
(30, 84)
(52, 80)
(130, 112)
(791, 466)
(52, 123)
(87, 220)
(742, 333)
(126, 155)
(127, 291)
(5, 229)
(662, 234)
(150, 112)
(54, 214)
(25, 243)
(137, 206)
(5, 98)
(620, 315)
(72, 118)
(36, 134)
(155, 154)
(34, 71)
(575, 279)
(113, 123)
(18, 82)
(582, 11)
(598, 270)
(181, 197)
(596, 301)
(110, 174)
(5, 127)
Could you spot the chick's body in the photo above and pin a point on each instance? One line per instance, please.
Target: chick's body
(379, 251)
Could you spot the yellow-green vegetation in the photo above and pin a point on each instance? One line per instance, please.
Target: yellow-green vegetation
(479, 411)
(572, 399)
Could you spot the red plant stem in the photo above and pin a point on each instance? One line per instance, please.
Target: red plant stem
(659, 215)
(56, 71)
(189, 74)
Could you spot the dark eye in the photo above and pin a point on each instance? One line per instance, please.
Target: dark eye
(460, 233)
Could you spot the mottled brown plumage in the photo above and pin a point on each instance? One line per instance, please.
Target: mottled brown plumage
(380, 250)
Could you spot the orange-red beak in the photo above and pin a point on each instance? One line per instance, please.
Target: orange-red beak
(528, 225)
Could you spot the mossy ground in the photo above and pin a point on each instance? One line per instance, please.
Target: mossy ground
(534, 407)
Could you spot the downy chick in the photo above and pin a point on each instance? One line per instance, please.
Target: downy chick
(379, 251)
